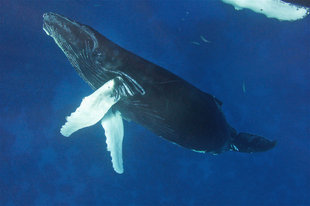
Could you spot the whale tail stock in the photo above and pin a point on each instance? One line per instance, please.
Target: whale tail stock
(249, 143)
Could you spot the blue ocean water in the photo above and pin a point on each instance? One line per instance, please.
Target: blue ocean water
(258, 67)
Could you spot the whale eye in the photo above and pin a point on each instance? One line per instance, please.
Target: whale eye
(99, 56)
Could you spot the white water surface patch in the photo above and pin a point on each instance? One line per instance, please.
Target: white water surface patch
(272, 8)
(114, 132)
(92, 109)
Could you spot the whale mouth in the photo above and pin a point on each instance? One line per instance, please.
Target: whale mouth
(47, 23)
(55, 23)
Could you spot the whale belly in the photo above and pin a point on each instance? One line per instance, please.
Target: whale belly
(180, 113)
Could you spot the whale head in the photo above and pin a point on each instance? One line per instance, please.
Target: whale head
(95, 58)
(84, 48)
(68, 34)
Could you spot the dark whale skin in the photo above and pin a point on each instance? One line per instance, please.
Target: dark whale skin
(305, 3)
(162, 102)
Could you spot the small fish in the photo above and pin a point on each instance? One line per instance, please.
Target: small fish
(195, 43)
(243, 87)
(204, 39)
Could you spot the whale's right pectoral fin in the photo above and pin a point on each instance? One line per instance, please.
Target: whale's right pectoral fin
(112, 123)
(94, 107)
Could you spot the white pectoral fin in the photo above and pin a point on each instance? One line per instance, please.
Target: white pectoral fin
(92, 108)
(114, 132)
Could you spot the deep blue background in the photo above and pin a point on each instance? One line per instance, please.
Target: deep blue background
(38, 88)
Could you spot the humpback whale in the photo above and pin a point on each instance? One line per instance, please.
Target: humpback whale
(131, 88)
(283, 10)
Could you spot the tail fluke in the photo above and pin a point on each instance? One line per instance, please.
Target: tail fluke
(249, 143)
